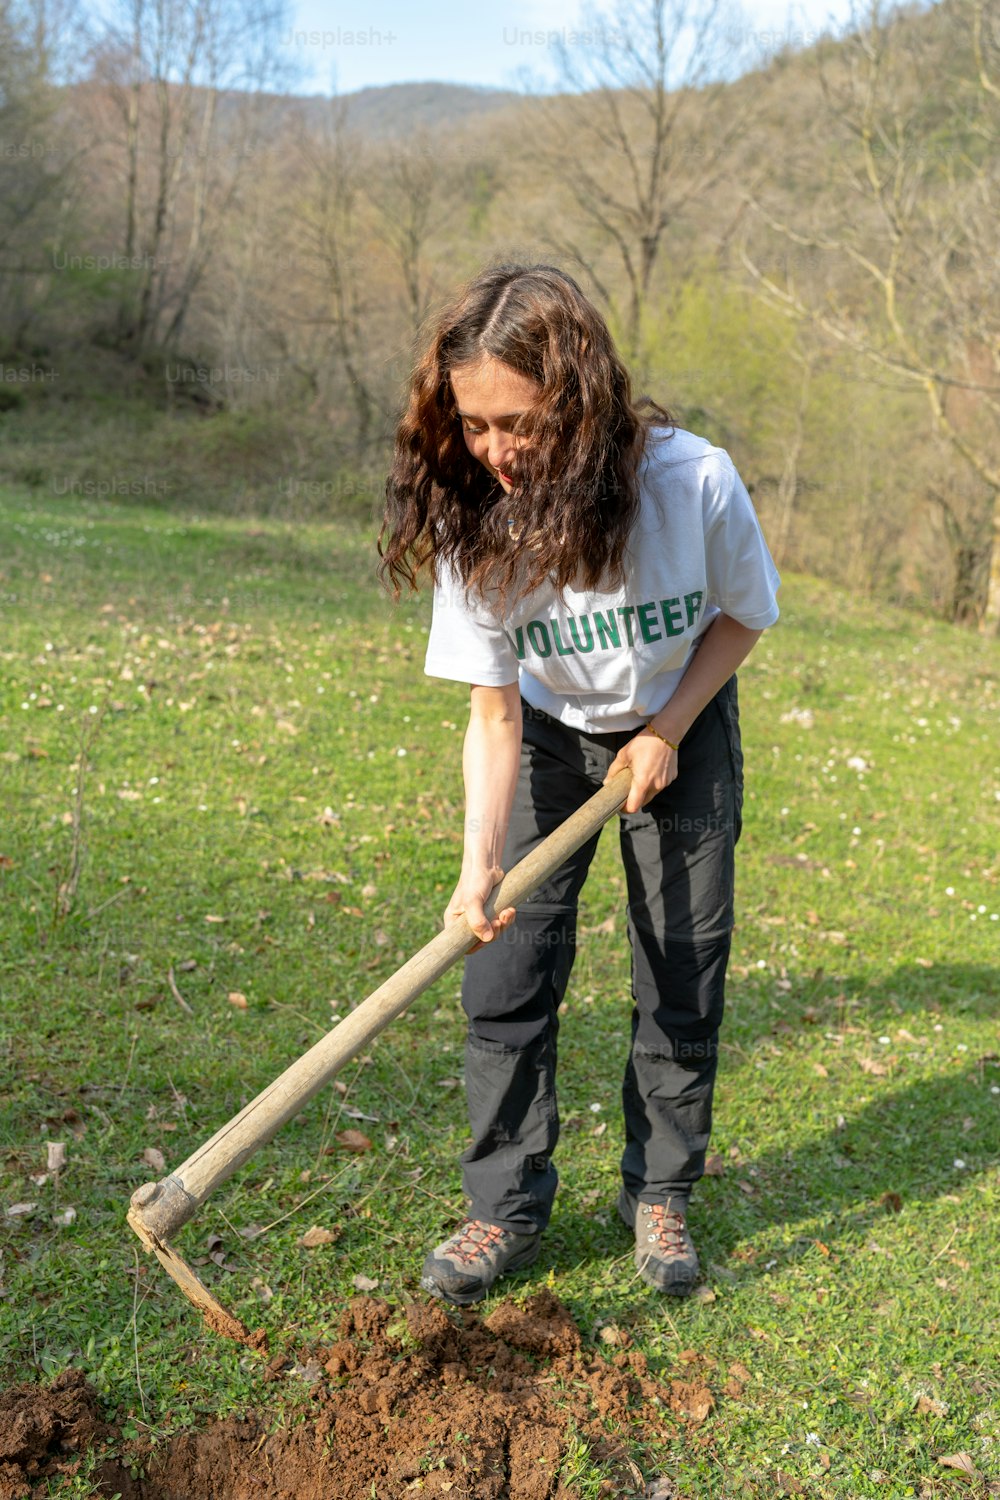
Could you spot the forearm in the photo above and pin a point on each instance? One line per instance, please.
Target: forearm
(723, 647)
(653, 763)
(490, 760)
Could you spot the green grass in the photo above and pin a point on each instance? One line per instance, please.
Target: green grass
(270, 806)
(102, 431)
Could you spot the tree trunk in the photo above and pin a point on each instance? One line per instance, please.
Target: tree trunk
(126, 313)
(789, 482)
(989, 623)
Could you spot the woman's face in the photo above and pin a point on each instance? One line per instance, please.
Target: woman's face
(491, 398)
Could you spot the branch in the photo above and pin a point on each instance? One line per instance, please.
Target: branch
(986, 82)
(922, 376)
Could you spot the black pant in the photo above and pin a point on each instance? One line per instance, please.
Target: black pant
(678, 857)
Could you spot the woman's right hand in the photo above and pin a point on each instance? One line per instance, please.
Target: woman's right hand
(469, 900)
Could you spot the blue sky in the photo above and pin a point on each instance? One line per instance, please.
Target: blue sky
(350, 46)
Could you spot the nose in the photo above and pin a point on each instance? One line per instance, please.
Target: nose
(500, 449)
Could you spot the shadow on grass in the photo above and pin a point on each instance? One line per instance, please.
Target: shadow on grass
(866, 1154)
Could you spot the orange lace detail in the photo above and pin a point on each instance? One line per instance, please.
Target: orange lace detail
(469, 1242)
(664, 1226)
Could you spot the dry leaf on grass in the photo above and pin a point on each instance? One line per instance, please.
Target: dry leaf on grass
(153, 1157)
(65, 1219)
(318, 1236)
(928, 1407)
(364, 1283)
(660, 1489)
(353, 1140)
(962, 1462)
(238, 999)
(56, 1155)
(870, 1065)
(715, 1166)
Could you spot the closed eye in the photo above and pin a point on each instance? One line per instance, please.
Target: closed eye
(513, 430)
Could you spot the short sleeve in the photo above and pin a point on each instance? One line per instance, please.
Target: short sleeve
(467, 642)
(742, 578)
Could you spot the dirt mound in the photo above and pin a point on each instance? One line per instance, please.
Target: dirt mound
(37, 1424)
(421, 1400)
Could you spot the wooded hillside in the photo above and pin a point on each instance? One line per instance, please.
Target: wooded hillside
(202, 268)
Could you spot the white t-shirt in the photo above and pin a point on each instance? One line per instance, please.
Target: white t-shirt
(604, 661)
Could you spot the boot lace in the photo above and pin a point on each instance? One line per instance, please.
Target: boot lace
(664, 1227)
(474, 1239)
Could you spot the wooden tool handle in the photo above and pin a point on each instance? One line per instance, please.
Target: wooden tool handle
(158, 1208)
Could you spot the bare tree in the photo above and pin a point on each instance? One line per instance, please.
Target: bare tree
(25, 111)
(643, 128)
(963, 528)
(188, 82)
(408, 189)
(36, 164)
(788, 481)
(335, 249)
(909, 241)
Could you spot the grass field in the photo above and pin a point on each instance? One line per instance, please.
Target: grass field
(220, 760)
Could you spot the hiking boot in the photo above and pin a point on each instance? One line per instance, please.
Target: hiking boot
(464, 1268)
(665, 1256)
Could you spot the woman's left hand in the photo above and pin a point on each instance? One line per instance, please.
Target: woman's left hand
(653, 765)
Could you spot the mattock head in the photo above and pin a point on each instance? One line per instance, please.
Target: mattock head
(216, 1316)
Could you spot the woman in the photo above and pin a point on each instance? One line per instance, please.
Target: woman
(598, 577)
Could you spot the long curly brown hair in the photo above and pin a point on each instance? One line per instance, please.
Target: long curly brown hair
(576, 490)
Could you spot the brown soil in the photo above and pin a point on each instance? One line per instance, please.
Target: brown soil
(416, 1401)
(37, 1423)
